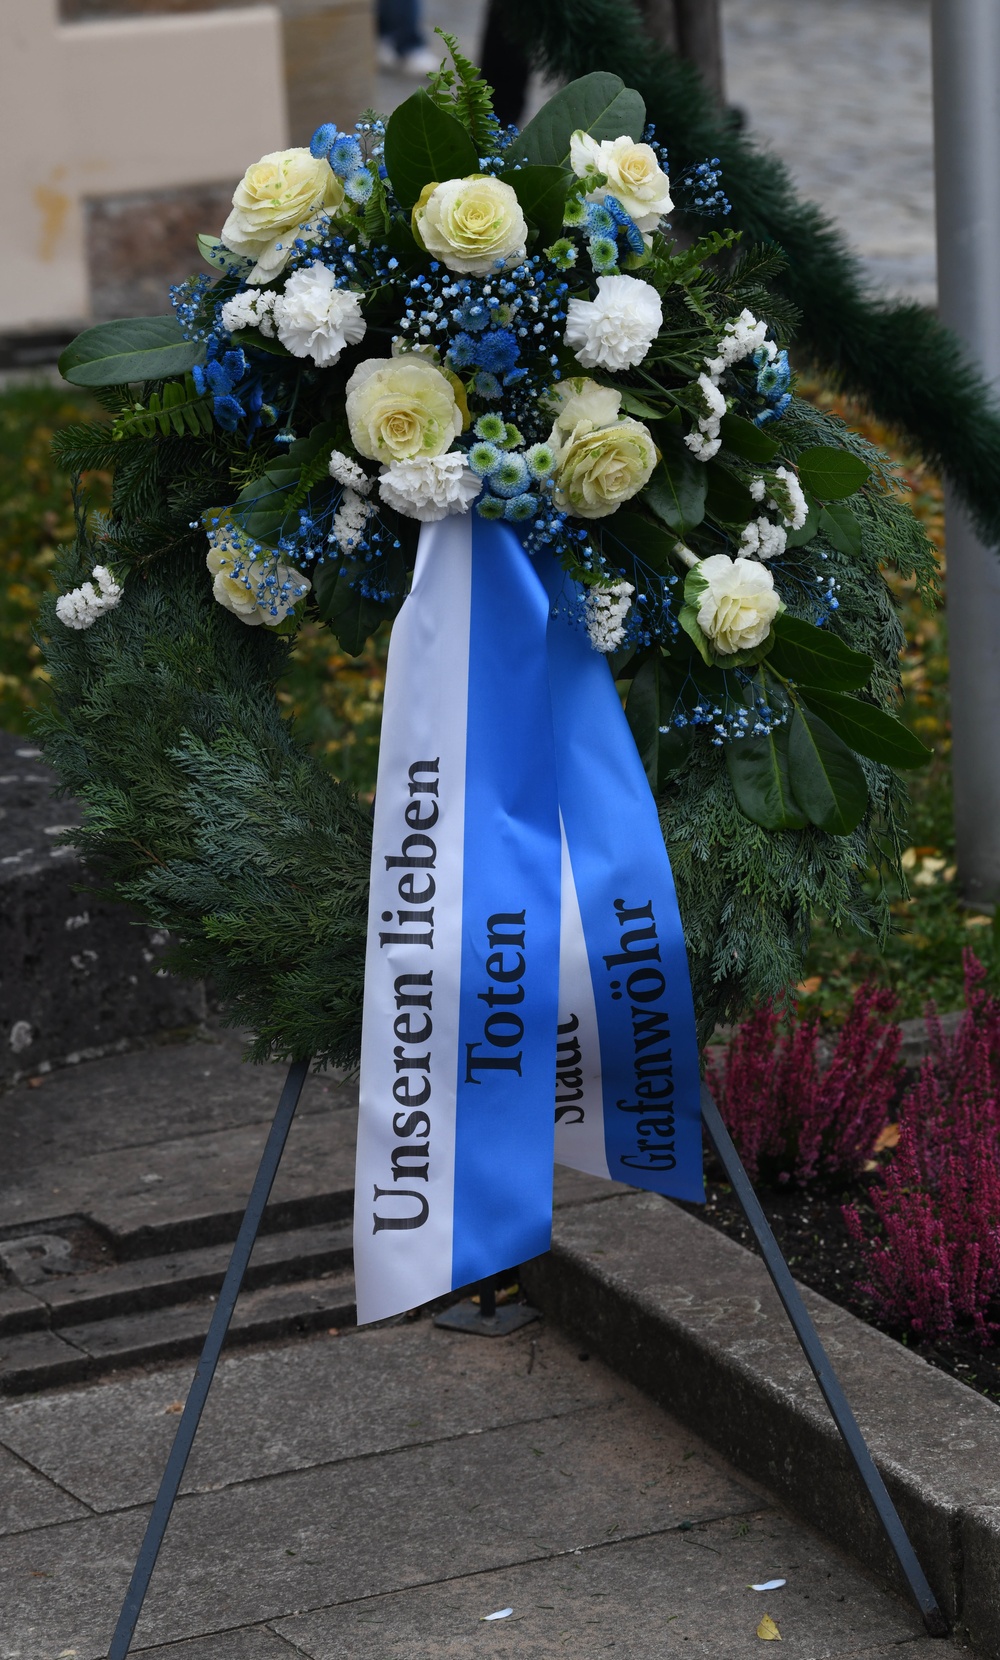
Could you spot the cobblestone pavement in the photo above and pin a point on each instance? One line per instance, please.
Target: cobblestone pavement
(841, 90)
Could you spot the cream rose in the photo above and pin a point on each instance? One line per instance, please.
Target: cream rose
(736, 602)
(472, 225)
(274, 197)
(599, 468)
(400, 408)
(633, 173)
(256, 591)
(581, 403)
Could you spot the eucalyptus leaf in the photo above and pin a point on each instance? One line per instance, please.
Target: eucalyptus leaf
(131, 349)
(746, 440)
(831, 473)
(424, 144)
(758, 771)
(841, 527)
(541, 192)
(600, 104)
(826, 779)
(815, 657)
(868, 730)
(676, 490)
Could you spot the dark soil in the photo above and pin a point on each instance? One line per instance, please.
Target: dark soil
(809, 1227)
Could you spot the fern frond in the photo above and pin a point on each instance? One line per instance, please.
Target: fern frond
(472, 99)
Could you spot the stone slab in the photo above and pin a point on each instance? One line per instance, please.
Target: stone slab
(693, 1319)
(676, 1594)
(271, 1548)
(29, 1500)
(981, 1563)
(20, 1311)
(248, 1643)
(37, 1360)
(192, 1190)
(348, 1397)
(274, 1311)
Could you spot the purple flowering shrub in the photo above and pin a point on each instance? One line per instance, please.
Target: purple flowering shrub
(793, 1120)
(935, 1264)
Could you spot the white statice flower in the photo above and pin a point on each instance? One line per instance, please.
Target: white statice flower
(758, 489)
(343, 470)
(606, 609)
(314, 318)
(615, 330)
(251, 309)
(430, 487)
(248, 579)
(763, 538)
(633, 173)
(705, 441)
(741, 337)
(789, 499)
(737, 603)
(351, 517)
(82, 607)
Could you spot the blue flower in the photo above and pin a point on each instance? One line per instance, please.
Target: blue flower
(521, 507)
(773, 378)
(345, 155)
(483, 458)
(490, 507)
(603, 255)
(487, 386)
(462, 352)
(600, 220)
(322, 138)
(497, 351)
(473, 314)
(510, 476)
(359, 185)
(491, 427)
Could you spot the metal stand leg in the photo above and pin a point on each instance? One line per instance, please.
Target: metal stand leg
(484, 1319)
(156, 1527)
(812, 1348)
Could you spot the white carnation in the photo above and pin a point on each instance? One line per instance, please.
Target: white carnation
(250, 310)
(430, 487)
(82, 607)
(737, 604)
(615, 330)
(606, 609)
(314, 318)
(347, 472)
(763, 538)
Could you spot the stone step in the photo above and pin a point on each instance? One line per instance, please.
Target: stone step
(43, 1359)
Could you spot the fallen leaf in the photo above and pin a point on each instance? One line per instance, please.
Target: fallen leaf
(887, 1137)
(770, 1585)
(807, 987)
(501, 1614)
(333, 1331)
(174, 1407)
(768, 1631)
(977, 922)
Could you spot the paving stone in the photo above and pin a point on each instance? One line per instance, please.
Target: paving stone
(291, 1408)
(276, 1546)
(678, 1593)
(248, 1643)
(29, 1500)
(37, 1359)
(192, 1190)
(144, 1098)
(20, 1311)
(692, 1318)
(980, 1546)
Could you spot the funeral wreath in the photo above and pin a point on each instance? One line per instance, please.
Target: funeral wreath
(429, 316)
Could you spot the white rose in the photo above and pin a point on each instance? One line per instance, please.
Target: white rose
(599, 469)
(615, 330)
(314, 318)
(272, 200)
(255, 590)
(472, 225)
(430, 488)
(633, 173)
(738, 603)
(400, 408)
(581, 403)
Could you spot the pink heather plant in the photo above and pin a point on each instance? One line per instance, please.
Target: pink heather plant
(792, 1121)
(936, 1262)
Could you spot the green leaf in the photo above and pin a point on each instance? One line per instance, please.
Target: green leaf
(868, 730)
(831, 473)
(758, 772)
(826, 779)
(638, 406)
(423, 144)
(815, 657)
(687, 616)
(133, 348)
(676, 491)
(214, 252)
(541, 192)
(630, 532)
(648, 706)
(252, 339)
(744, 439)
(840, 526)
(728, 498)
(600, 104)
